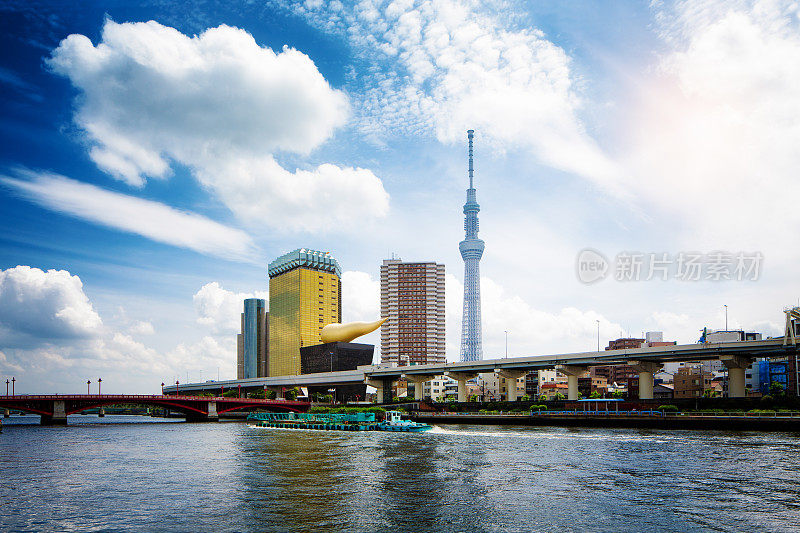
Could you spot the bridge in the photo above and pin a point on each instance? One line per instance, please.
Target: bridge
(736, 356)
(54, 408)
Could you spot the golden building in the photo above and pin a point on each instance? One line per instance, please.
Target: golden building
(305, 294)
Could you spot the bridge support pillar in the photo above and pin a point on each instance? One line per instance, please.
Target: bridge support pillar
(511, 377)
(279, 395)
(212, 412)
(419, 383)
(736, 366)
(59, 416)
(646, 369)
(573, 372)
(379, 385)
(6, 413)
(461, 378)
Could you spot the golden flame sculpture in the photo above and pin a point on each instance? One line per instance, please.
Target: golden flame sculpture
(348, 332)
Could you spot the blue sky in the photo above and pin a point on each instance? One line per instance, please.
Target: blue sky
(154, 159)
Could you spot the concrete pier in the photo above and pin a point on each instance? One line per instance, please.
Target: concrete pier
(419, 382)
(646, 370)
(573, 372)
(461, 378)
(511, 377)
(212, 411)
(59, 416)
(736, 366)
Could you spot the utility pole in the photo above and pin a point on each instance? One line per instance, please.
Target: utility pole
(99, 382)
(726, 317)
(88, 384)
(7, 382)
(506, 344)
(13, 379)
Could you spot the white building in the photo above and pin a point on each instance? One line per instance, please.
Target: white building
(439, 388)
(412, 298)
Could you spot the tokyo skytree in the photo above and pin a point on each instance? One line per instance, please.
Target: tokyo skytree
(471, 251)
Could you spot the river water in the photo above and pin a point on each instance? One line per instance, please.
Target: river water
(135, 473)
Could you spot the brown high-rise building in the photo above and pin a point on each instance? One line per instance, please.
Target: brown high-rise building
(412, 298)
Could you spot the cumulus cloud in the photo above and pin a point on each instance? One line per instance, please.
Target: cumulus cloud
(360, 297)
(454, 66)
(52, 339)
(208, 353)
(714, 141)
(532, 331)
(141, 327)
(223, 106)
(147, 218)
(36, 305)
(219, 309)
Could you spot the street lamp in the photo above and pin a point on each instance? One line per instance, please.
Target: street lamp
(162, 388)
(177, 387)
(7, 382)
(13, 379)
(506, 332)
(726, 317)
(330, 354)
(99, 381)
(598, 335)
(88, 384)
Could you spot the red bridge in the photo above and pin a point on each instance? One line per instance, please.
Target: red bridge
(54, 408)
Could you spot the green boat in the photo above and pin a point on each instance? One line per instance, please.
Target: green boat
(337, 422)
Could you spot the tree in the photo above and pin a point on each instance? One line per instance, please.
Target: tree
(776, 389)
(542, 398)
(618, 394)
(291, 394)
(595, 395)
(560, 396)
(525, 398)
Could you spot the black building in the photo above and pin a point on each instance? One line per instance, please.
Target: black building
(335, 357)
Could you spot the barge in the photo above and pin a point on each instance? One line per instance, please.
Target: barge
(337, 422)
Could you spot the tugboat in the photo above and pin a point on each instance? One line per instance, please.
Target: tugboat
(337, 422)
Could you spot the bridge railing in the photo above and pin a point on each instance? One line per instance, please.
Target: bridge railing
(141, 397)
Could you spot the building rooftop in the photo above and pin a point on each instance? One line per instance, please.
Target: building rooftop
(304, 258)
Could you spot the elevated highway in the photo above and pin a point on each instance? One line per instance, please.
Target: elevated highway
(735, 355)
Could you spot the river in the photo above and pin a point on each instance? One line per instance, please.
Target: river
(135, 473)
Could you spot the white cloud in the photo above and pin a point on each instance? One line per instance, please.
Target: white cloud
(714, 145)
(219, 309)
(361, 297)
(223, 106)
(208, 353)
(149, 219)
(324, 198)
(8, 366)
(37, 305)
(141, 327)
(531, 331)
(53, 340)
(453, 66)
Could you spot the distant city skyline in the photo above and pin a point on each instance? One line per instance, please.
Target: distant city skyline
(156, 158)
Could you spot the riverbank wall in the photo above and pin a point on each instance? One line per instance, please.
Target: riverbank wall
(655, 421)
